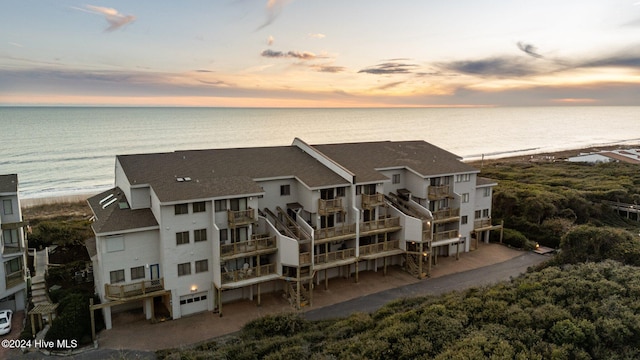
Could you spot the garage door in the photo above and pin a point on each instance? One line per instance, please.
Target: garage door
(193, 303)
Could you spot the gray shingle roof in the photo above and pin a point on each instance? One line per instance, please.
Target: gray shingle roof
(223, 172)
(483, 181)
(113, 218)
(423, 158)
(9, 183)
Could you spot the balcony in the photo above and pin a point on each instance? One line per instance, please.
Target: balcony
(14, 279)
(241, 217)
(248, 273)
(348, 231)
(331, 206)
(126, 291)
(383, 225)
(305, 258)
(334, 256)
(379, 248)
(446, 235)
(371, 201)
(446, 215)
(259, 244)
(341, 232)
(482, 224)
(436, 192)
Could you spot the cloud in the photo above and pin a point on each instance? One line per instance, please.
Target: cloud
(317, 36)
(289, 54)
(494, 67)
(529, 49)
(270, 40)
(115, 19)
(621, 60)
(15, 44)
(390, 85)
(273, 9)
(329, 68)
(391, 67)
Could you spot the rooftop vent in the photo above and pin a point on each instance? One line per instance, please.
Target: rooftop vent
(180, 179)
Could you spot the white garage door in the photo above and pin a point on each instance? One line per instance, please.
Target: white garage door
(193, 303)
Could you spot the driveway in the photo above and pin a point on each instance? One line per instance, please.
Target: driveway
(491, 263)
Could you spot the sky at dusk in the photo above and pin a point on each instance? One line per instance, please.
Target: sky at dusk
(330, 53)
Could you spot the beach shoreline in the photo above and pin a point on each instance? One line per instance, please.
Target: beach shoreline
(82, 197)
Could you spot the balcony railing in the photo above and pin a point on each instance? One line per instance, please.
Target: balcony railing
(305, 258)
(350, 229)
(13, 279)
(379, 247)
(445, 235)
(342, 230)
(248, 273)
(380, 224)
(446, 214)
(370, 201)
(439, 191)
(330, 206)
(257, 243)
(133, 289)
(481, 223)
(334, 256)
(241, 217)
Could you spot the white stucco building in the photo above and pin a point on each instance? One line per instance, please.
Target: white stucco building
(12, 239)
(191, 230)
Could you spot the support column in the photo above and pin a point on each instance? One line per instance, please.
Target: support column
(420, 261)
(93, 320)
(259, 295)
(385, 265)
(357, 278)
(458, 250)
(326, 280)
(219, 302)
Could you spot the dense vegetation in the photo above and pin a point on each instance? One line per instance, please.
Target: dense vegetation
(586, 311)
(542, 201)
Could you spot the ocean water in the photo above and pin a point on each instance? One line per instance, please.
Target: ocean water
(68, 150)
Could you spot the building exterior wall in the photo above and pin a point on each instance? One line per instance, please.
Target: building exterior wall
(13, 254)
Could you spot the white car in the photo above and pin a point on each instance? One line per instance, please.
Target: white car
(5, 321)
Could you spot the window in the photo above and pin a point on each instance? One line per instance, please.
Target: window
(115, 243)
(117, 276)
(285, 190)
(8, 207)
(477, 214)
(220, 205)
(341, 192)
(181, 209)
(184, 269)
(358, 189)
(465, 197)
(463, 178)
(396, 179)
(13, 266)
(182, 238)
(137, 272)
(10, 238)
(487, 192)
(199, 206)
(224, 236)
(464, 220)
(202, 266)
(485, 213)
(199, 235)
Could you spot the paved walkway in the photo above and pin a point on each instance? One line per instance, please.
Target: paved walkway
(131, 331)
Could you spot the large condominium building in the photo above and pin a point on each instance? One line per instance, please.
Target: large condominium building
(191, 230)
(12, 273)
